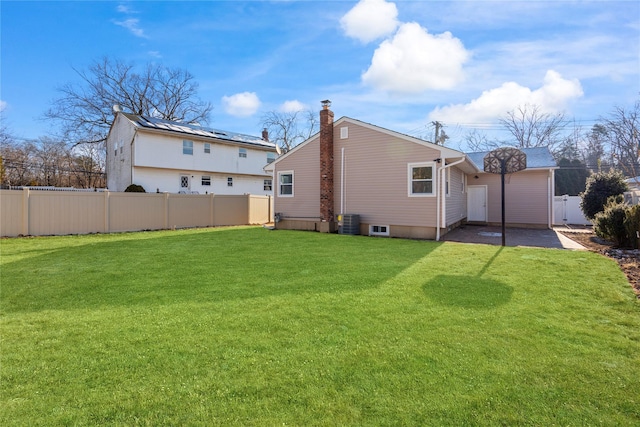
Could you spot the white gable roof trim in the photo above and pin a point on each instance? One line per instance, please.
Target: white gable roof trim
(446, 153)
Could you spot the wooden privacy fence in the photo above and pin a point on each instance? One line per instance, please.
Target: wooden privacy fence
(42, 213)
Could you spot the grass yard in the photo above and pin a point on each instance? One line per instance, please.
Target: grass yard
(246, 326)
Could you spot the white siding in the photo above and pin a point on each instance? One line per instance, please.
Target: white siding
(169, 180)
(155, 160)
(119, 164)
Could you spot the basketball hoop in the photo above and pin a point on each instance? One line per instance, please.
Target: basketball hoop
(504, 160)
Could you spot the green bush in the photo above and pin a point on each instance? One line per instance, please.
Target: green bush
(609, 224)
(601, 186)
(135, 188)
(632, 225)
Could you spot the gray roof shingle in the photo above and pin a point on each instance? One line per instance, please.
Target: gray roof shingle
(537, 158)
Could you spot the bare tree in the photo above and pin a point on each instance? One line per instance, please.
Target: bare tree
(87, 166)
(477, 141)
(531, 127)
(288, 129)
(84, 109)
(623, 126)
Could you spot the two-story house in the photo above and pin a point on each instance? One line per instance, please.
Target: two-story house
(174, 157)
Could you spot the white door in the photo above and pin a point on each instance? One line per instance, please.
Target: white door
(477, 203)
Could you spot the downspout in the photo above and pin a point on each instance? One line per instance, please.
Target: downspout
(342, 197)
(550, 193)
(442, 188)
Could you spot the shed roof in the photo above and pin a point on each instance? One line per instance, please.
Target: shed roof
(196, 130)
(537, 158)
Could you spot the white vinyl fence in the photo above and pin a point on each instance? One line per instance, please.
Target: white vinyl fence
(566, 210)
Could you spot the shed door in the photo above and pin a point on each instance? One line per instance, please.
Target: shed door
(477, 203)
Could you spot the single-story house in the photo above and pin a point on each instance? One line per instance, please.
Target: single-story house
(174, 157)
(368, 180)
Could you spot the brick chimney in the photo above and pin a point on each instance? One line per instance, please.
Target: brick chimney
(326, 164)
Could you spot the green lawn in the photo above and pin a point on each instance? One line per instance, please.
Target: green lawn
(246, 326)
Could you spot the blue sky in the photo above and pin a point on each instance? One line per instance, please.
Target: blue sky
(397, 64)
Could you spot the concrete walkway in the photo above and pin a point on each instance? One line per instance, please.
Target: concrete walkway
(543, 238)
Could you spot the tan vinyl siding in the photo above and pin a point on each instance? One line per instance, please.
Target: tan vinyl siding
(526, 197)
(376, 178)
(456, 202)
(305, 164)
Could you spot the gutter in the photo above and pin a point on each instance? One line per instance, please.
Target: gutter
(441, 188)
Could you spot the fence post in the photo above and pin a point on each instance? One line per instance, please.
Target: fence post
(166, 211)
(107, 225)
(25, 211)
(211, 206)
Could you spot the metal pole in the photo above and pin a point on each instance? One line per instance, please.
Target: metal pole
(503, 164)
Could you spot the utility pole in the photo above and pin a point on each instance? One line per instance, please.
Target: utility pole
(438, 126)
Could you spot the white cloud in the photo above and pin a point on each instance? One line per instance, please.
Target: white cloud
(3, 105)
(292, 106)
(370, 19)
(551, 97)
(242, 104)
(131, 24)
(414, 61)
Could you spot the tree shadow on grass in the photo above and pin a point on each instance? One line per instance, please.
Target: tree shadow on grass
(469, 291)
(215, 266)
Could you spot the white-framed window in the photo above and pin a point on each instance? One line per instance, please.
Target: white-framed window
(271, 157)
(242, 152)
(285, 184)
(229, 182)
(206, 180)
(187, 147)
(116, 148)
(378, 230)
(422, 179)
(207, 148)
(268, 184)
(344, 132)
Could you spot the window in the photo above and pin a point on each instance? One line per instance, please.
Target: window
(229, 182)
(206, 180)
(378, 230)
(285, 184)
(116, 148)
(421, 179)
(268, 185)
(207, 148)
(344, 132)
(187, 147)
(242, 152)
(271, 157)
